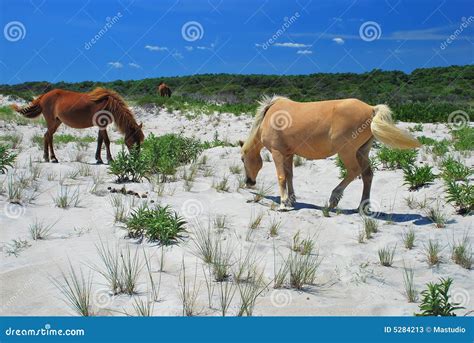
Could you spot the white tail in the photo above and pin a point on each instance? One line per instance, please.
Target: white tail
(384, 130)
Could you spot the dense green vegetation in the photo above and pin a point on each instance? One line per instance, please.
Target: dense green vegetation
(425, 95)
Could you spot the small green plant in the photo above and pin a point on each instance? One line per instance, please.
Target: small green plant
(418, 127)
(437, 216)
(417, 177)
(409, 238)
(386, 256)
(371, 226)
(67, 198)
(235, 169)
(408, 281)
(6, 158)
(77, 290)
(463, 138)
(325, 210)
(436, 300)
(342, 167)
(262, 192)
(455, 170)
(432, 252)
(396, 159)
(275, 225)
(440, 148)
(222, 185)
(130, 166)
(157, 224)
(188, 293)
(302, 269)
(462, 253)
(461, 195)
(39, 230)
(303, 246)
(426, 140)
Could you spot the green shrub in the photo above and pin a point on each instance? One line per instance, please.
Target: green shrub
(6, 158)
(342, 168)
(463, 138)
(453, 169)
(417, 177)
(395, 158)
(166, 153)
(461, 195)
(436, 300)
(157, 224)
(129, 166)
(440, 148)
(426, 140)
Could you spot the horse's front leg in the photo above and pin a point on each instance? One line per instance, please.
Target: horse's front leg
(289, 179)
(279, 160)
(107, 146)
(98, 156)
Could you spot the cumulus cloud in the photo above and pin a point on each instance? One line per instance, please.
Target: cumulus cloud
(304, 52)
(338, 40)
(134, 65)
(116, 65)
(292, 45)
(156, 48)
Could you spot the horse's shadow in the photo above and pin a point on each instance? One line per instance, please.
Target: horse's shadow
(417, 219)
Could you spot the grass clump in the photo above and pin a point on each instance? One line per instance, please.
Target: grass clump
(409, 238)
(130, 166)
(371, 226)
(67, 198)
(436, 300)
(39, 230)
(417, 177)
(157, 224)
(463, 138)
(432, 252)
(7, 158)
(395, 158)
(462, 253)
(386, 256)
(408, 281)
(437, 216)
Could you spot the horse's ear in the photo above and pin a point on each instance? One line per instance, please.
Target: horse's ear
(141, 125)
(241, 143)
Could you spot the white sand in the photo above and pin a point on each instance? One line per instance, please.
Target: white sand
(350, 280)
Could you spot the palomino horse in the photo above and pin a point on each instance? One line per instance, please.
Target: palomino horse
(100, 107)
(316, 130)
(164, 90)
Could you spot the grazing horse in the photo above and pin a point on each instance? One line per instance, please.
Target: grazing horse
(316, 130)
(100, 108)
(164, 90)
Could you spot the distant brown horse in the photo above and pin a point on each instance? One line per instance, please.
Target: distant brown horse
(164, 90)
(100, 108)
(317, 130)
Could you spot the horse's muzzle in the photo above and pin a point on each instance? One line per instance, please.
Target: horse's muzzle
(249, 182)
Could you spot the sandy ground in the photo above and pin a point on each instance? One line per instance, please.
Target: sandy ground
(350, 279)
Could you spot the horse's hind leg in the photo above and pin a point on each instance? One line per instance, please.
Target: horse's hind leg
(98, 152)
(367, 174)
(51, 131)
(45, 146)
(353, 170)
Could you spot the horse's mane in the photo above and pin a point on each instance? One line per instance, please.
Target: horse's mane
(123, 117)
(263, 106)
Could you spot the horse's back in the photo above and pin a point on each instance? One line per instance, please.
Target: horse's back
(315, 129)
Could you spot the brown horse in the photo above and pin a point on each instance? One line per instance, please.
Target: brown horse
(100, 108)
(316, 130)
(164, 90)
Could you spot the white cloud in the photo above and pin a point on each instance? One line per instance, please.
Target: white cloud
(292, 45)
(156, 48)
(304, 52)
(134, 65)
(177, 55)
(201, 48)
(338, 40)
(189, 48)
(116, 65)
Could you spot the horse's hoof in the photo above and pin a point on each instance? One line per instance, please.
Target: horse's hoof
(99, 162)
(54, 160)
(285, 208)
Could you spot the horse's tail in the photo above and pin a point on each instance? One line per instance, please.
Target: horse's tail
(384, 130)
(32, 110)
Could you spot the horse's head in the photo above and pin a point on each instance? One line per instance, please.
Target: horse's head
(252, 164)
(134, 137)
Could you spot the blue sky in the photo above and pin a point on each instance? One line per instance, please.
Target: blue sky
(52, 40)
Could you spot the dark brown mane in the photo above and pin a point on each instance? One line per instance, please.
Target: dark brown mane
(124, 119)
